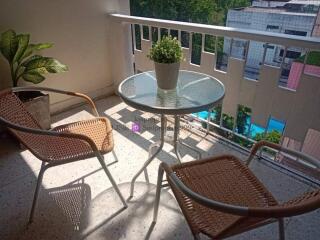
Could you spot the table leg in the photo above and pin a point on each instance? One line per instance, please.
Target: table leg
(152, 157)
(152, 146)
(177, 140)
(176, 136)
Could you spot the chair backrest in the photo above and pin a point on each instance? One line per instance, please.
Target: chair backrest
(14, 111)
(44, 147)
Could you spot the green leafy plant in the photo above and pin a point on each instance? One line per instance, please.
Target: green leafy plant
(312, 59)
(273, 136)
(242, 116)
(167, 50)
(22, 60)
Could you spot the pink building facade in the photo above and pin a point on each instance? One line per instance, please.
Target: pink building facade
(296, 71)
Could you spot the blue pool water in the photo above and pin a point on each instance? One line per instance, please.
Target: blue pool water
(254, 129)
(204, 115)
(275, 124)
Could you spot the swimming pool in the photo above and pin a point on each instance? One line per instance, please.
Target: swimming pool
(273, 124)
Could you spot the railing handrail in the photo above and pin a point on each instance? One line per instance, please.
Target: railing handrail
(311, 43)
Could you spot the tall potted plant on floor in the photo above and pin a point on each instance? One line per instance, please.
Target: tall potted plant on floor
(167, 55)
(26, 63)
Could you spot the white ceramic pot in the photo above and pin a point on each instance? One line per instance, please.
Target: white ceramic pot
(167, 75)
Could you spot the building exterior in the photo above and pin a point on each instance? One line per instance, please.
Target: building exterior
(316, 27)
(263, 3)
(294, 5)
(289, 17)
(311, 68)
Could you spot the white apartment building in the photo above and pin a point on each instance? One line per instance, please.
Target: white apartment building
(289, 17)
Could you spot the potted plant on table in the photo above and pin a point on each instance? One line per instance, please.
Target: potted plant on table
(167, 55)
(26, 63)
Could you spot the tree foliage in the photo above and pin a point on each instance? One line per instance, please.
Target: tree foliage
(273, 136)
(198, 11)
(243, 114)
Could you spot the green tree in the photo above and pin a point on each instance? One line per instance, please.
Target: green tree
(217, 116)
(198, 11)
(227, 121)
(273, 136)
(242, 116)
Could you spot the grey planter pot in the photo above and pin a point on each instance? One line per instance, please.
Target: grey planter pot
(167, 75)
(39, 107)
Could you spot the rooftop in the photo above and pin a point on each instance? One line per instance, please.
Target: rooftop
(274, 10)
(306, 2)
(96, 212)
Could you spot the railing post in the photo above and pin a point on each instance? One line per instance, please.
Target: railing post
(119, 42)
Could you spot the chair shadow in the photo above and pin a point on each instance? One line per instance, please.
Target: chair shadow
(60, 216)
(134, 222)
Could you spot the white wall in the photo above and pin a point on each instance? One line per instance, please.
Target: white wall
(78, 28)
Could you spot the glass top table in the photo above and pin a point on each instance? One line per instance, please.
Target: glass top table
(195, 92)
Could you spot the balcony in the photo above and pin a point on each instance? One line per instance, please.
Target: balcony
(103, 44)
(96, 212)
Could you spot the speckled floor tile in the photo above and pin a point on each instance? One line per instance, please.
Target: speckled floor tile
(77, 201)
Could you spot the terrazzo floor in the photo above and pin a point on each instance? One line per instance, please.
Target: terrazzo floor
(77, 201)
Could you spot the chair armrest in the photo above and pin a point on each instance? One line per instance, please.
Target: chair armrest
(74, 94)
(278, 147)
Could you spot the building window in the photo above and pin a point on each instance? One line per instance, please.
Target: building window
(268, 46)
(290, 54)
(272, 27)
(294, 32)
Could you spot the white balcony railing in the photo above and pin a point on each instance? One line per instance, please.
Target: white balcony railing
(266, 97)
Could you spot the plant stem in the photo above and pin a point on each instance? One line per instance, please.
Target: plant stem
(13, 77)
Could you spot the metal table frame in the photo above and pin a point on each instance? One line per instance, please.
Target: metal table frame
(163, 112)
(159, 144)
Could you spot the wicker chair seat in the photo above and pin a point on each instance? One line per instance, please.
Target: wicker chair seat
(98, 129)
(225, 179)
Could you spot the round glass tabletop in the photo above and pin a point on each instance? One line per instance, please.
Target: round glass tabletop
(195, 92)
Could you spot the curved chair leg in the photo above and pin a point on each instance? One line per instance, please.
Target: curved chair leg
(281, 229)
(36, 193)
(158, 192)
(114, 184)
